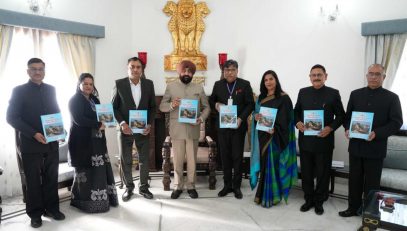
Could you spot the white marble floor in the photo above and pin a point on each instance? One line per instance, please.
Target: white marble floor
(208, 212)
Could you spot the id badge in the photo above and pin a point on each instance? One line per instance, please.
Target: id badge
(230, 102)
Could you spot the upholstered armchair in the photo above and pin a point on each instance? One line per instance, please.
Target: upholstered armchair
(206, 158)
(65, 172)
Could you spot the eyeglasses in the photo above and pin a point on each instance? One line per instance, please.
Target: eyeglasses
(36, 69)
(374, 74)
(319, 75)
(229, 69)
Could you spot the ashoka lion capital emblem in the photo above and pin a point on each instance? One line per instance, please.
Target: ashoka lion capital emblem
(186, 26)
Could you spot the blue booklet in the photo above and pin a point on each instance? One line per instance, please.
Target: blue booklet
(188, 111)
(105, 114)
(268, 117)
(313, 121)
(361, 125)
(228, 116)
(138, 120)
(53, 127)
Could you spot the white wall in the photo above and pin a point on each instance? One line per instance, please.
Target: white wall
(286, 36)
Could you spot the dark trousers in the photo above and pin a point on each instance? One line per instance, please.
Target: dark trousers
(41, 174)
(316, 164)
(364, 176)
(231, 143)
(143, 147)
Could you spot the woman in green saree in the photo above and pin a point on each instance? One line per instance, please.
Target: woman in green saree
(273, 153)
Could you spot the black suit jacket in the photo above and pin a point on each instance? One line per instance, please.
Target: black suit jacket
(387, 120)
(84, 126)
(123, 99)
(242, 96)
(28, 102)
(327, 99)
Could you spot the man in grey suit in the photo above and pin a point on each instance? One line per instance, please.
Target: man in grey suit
(134, 93)
(184, 136)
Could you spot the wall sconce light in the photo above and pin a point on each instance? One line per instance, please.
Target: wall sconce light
(143, 58)
(222, 59)
(331, 12)
(39, 6)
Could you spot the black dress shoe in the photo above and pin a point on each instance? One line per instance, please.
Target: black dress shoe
(55, 215)
(192, 193)
(127, 195)
(307, 206)
(238, 193)
(36, 222)
(146, 193)
(319, 210)
(176, 193)
(224, 192)
(348, 213)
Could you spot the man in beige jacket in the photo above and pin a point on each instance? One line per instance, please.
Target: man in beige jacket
(184, 136)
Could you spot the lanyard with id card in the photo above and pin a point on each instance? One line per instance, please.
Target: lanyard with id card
(230, 100)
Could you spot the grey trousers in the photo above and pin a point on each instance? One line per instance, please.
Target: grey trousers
(126, 148)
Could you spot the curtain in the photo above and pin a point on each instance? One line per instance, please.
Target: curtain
(78, 53)
(10, 180)
(385, 50)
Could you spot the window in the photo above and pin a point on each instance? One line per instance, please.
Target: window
(400, 83)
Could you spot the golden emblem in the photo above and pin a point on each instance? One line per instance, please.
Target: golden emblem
(186, 26)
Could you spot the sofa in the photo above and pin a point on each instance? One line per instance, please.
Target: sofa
(394, 174)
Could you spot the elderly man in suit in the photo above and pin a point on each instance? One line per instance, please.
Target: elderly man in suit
(184, 136)
(366, 156)
(40, 159)
(232, 91)
(316, 151)
(134, 93)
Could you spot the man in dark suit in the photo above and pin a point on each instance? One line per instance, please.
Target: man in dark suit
(40, 159)
(316, 151)
(366, 156)
(134, 93)
(232, 91)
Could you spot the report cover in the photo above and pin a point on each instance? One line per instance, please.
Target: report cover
(105, 114)
(361, 125)
(188, 111)
(138, 120)
(53, 127)
(228, 116)
(313, 121)
(268, 117)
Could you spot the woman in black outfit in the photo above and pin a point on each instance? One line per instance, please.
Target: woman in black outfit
(93, 189)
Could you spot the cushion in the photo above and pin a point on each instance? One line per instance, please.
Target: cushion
(63, 152)
(65, 172)
(396, 157)
(395, 179)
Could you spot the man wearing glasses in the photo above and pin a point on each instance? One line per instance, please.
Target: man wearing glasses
(40, 159)
(232, 91)
(316, 150)
(366, 156)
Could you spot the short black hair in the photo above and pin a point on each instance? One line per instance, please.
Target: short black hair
(229, 63)
(35, 60)
(316, 66)
(132, 59)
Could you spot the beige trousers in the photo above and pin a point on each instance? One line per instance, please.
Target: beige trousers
(184, 149)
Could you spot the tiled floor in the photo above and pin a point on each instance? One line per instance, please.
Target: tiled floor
(206, 213)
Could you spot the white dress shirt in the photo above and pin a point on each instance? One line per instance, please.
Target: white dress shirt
(136, 92)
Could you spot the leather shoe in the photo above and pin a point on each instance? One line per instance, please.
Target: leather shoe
(36, 222)
(127, 195)
(176, 193)
(58, 216)
(146, 193)
(224, 192)
(307, 206)
(238, 193)
(348, 213)
(192, 193)
(319, 210)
